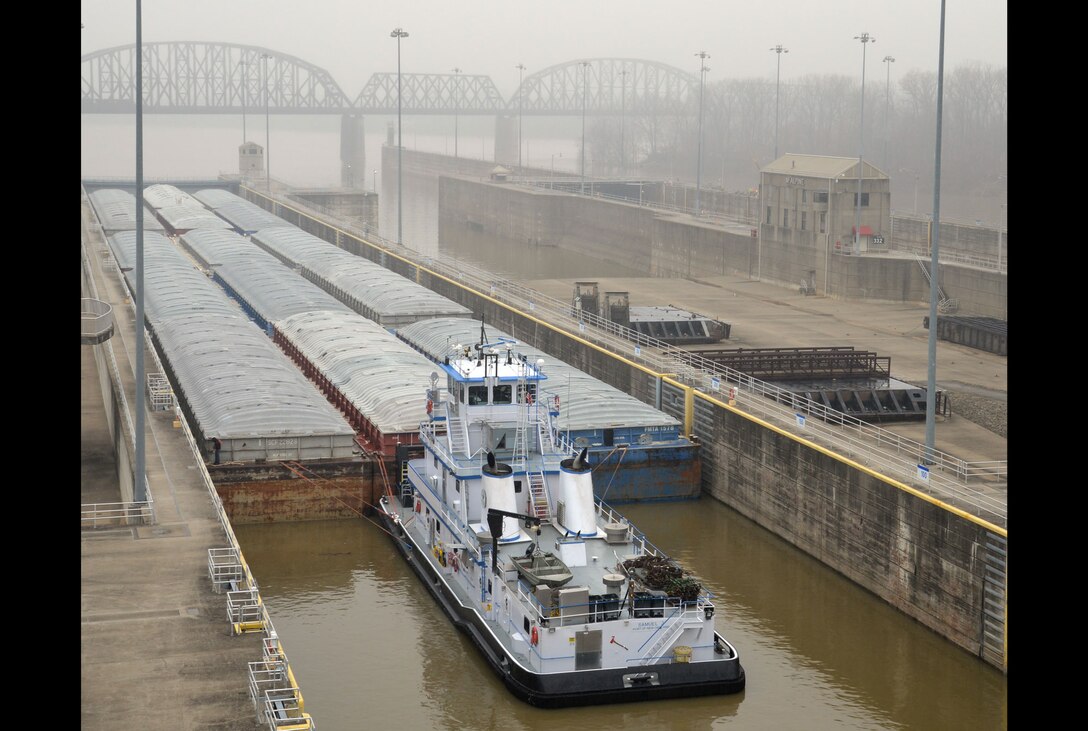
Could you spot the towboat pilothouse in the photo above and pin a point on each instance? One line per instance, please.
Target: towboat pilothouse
(568, 601)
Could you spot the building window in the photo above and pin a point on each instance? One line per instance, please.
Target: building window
(785, 218)
(823, 222)
(804, 197)
(768, 215)
(864, 200)
(819, 197)
(804, 219)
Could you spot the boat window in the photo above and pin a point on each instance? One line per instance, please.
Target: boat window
(517, 486)
(477, 395)
(502, 394)
(529, 388)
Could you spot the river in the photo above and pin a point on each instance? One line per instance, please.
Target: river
(371, 649)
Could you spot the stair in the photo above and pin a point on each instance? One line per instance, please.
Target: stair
(458, 440)
(538, 497)
(680, 621)
(944, 304)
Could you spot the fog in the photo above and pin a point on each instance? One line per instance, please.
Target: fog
(351, 39)
(817, 81)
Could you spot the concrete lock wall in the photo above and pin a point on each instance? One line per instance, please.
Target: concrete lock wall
(666, 245)
(927, 561)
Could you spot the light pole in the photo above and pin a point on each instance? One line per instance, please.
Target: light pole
(865, 39)
(399, 33)
(585, 95)
(267, 141)
(374, 181)
(887, 105)
(623, 113)
(777, 78)
(1001, 233)
(703, 68)
(245, 82)
(141, 486)
(934, 259)
(521, 69)
(456, 104)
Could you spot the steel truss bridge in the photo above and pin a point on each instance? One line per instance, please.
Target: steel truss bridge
(225, 78)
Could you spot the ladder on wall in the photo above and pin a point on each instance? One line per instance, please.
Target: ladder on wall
(944, 304)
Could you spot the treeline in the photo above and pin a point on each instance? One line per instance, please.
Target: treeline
(820, 115)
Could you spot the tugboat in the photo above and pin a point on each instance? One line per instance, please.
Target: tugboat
(570, 604)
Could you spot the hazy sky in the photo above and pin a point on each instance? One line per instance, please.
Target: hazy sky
(350, 38)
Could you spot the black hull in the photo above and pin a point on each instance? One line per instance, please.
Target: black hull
(578, 688)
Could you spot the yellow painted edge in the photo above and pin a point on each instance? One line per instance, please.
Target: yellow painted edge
(690, 392)
(857, 465)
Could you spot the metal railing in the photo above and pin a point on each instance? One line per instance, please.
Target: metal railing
(896, 456)
(114, 515)
(95, 319)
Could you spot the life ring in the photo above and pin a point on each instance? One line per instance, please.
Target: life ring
(535, 638)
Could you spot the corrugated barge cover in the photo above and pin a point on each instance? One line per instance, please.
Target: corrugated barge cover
(116, 210)
(238, 384)
(234, 380)
(380, 375)
(586, 402)
(162, 195)
(268, 286)
(371, 289)
(173, 286)
(185, 218)
(215, 197)
(248, 217)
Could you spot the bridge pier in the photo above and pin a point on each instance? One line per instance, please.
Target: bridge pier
(506, 140)
(352, 151)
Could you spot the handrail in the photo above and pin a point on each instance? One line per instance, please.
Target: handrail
(701, 373)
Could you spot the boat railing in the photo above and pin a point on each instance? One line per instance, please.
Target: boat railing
(637, 538)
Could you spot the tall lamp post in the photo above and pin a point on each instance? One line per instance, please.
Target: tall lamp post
(623, 113)
(1001, 233)
(456, 105)
(865, 39)
(934, 259)
(585, 96)
(140, 487)
(887, 105)
(703, 68)
(399, 33)
(521, 69)
(777, 78)
(245, 82)
(374, 181)
(267, 141)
